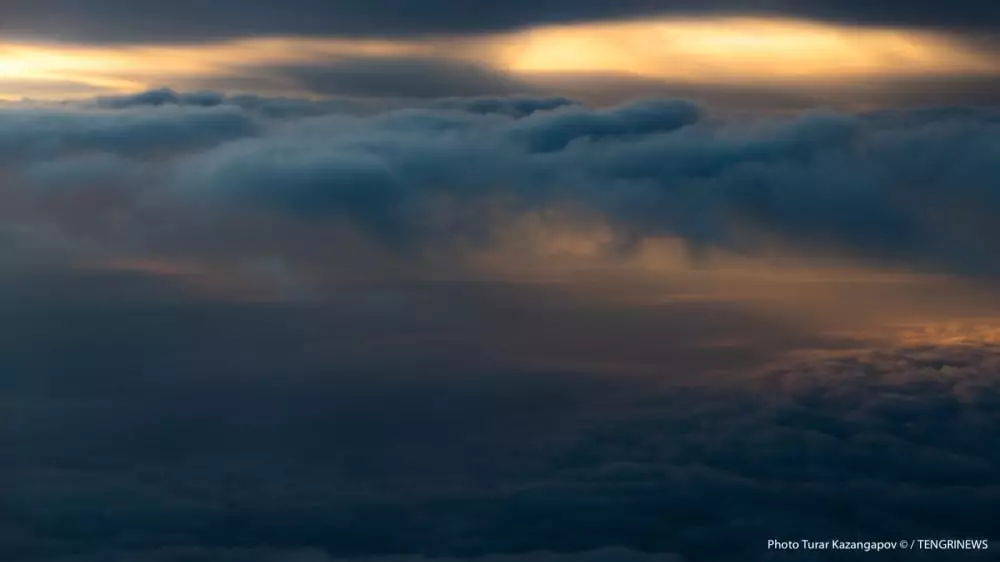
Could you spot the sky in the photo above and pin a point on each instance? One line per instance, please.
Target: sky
(773, 54)
(547, 281)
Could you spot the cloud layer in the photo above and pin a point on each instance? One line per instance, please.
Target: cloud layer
(258, 329)
(176, 433)
(906, 188)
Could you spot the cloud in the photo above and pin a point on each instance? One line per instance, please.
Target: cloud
(383, 425)
(555, 132)
(162, 96)
(396, 77)
(835, 184)
(511, 106)
(46, 133)
(187, 20)
(884, 92)
(778, 63)
(926, 92)
(243, 328)
(155, 423)
(898, 188)
(288, 108)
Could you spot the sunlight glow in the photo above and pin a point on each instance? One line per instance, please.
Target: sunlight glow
(738, 50)
(728, 51)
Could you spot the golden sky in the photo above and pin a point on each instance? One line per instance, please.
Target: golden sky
(704, 51)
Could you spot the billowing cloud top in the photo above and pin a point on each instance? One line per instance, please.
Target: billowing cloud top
(909, 189)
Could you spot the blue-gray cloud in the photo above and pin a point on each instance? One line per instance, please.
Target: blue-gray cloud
(44, 133)
(162, 96)
(287, 108)
(914, 188)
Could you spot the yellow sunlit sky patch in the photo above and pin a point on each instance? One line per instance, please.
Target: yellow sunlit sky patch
(135, 68)
(739, 50)
(714, 51)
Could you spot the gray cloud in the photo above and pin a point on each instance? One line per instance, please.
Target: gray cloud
(51, 133)
(910, 188)
(286, 107)
(187, 20)
(162, 96)
(395, 78)
(819, 182)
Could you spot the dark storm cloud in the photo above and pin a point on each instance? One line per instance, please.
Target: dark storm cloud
(186, 20)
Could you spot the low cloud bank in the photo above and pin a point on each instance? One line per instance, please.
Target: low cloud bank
(903, 188)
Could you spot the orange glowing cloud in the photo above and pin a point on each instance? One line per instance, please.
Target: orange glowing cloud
(136, 68)
(707, 51)
(734, 50)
